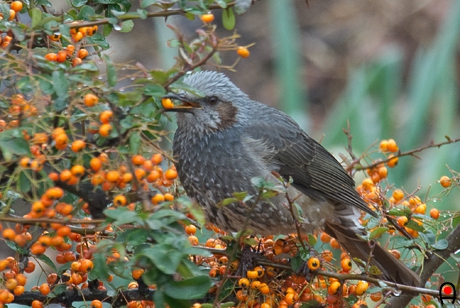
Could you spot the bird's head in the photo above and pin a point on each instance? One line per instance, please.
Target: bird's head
(213, 106)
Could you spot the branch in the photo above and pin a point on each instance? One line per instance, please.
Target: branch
(131, 16)
(408, 153)
(435, 259)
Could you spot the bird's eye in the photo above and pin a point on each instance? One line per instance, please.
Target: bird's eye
(213, 100)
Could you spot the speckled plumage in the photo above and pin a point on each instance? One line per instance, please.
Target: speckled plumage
(229, 139)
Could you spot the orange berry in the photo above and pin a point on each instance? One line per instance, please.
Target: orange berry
(325, 238)
(64, 231)
(54, 193)
(392, 146)
(402, 220)
(167, 103)
(169, 197)
(375, 297)
(9, 234)
(30, 267)
(393, 161)
(137, 160)
(77, 37)
(243, 282)
(207, 18)
(82, 53)
(127, 177)
(77, 170)
(12, 15)
(96, 304)
(190, 230)
(445, 181)
(55, 37)
(157, 159)
(137, 273)
(90, 100)
(95, 163)
(119, 200)
(65, 175)
(158, 198)
(193, 240)
(105, 130)
(153, 176)
(16, 6)
(45, 289)
(346, 264)
(327, 255)
(25, 162)
(334, 243)
(19, 290)
(361, 287)
(106, 116)
(77, 146)
(37, 304)
(398, 195)
(243, 52)
(383, 145)
(76, 62)
(264, 288)
(61, 56)
(10, 284)
(421, 209)
(86, 265)
(434, 213)
(140, 173)
(171, 174)
(51, 56)
(70, 50)
(37, 249)
(333, 288)
(313, 264)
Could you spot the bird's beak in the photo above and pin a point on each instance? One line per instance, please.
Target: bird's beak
(187, 104)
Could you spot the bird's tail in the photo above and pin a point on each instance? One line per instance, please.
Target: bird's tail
(392, 269)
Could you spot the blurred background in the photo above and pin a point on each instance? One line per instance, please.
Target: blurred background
(388, 67)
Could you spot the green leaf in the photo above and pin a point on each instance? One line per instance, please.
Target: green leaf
(60, 84)
(147, 3)
(377, 232)
(134, 237)
(78, 3)
(111, 72)
(241, 6)
(86, 13)
(9, 145)
(441, 244)
(227, 201)
(415, 226)
(127, 26)
(142, 13)
(45, 259)
(296, 262)
(164, 257)
(36, 16)
(154, 90)
(191, 288)
(100, 267)
(60, 103)
(400, 211)
(23, 182)
(134, 142)
(228, 19)
(240, 195)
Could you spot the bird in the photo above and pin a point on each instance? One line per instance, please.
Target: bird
(224, 140)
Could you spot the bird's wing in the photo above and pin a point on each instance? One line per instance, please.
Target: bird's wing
(313, 169)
